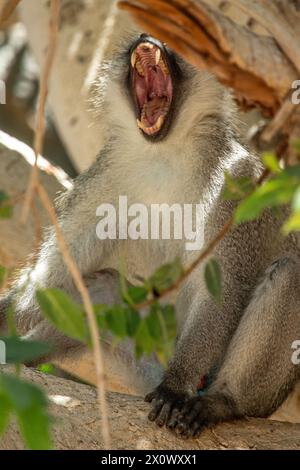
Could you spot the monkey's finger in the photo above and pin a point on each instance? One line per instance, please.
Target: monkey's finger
(191, 415)
(173, 420)
(150, 396)
(193, 404)
(157, 406)
(182, 428)
(197, 429)
(164, 414)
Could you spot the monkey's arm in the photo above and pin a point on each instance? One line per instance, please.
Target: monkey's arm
(208, 326)
(77, 219)
(200, 347)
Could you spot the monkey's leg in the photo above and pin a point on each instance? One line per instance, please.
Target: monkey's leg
(124, 373)
(258, 371)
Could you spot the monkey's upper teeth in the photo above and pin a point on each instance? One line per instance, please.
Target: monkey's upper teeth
(157, 56)
(147, 45)
(164, 67)
(139, 68)
(133, 59)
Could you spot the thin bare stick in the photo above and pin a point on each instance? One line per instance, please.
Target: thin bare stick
(7, 9)
(36, 186)
(88, 306)
(43, 93)
(277, 123)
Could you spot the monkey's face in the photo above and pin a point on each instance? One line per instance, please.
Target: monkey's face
(153, 79)
(148, 94)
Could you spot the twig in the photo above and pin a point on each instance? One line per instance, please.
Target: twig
(43, 93)
(284, 113)
(7, 9)
(189, 28)
(36, 186)
(88, 306)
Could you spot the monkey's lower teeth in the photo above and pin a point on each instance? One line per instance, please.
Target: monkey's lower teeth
(153, 129)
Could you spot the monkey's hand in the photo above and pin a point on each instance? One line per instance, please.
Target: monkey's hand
(201, 412)
(194, 417)
(166, 405)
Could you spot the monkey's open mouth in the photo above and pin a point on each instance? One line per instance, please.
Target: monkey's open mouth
(152, 86)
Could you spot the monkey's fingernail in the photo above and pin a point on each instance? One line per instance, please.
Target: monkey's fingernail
(133, 59)
(157, 56)
(149, 397)
(152, 415)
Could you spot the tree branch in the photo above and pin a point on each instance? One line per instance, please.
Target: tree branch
(74, 406)
(210, 40)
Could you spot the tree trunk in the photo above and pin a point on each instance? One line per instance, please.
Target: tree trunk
(77, 425)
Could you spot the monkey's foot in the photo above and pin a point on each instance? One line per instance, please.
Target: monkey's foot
(201, 412)
(165, 404)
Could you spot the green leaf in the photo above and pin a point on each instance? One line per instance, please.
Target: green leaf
(213, 279)
(5, 410)
(30, 405)
(154, 324)
(46, 368)
(4, 197)
(273, 193)
(296, 200)
(117, 321)
(144, 343)
(237, 188)
(6, 208)
(19, 351)
(6, 212)
(292, 224)
(271, 162)
(168, 312)
(137, 294)
(100, 311)
(166, 276)
(133, 320)
(3, 275)
(66, 315)
(296, 145)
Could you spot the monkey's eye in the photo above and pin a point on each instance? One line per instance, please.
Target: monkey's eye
(152, 86)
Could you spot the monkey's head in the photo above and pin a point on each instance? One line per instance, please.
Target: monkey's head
(148, 90)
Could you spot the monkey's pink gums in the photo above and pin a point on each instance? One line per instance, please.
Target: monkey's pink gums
(152, 86)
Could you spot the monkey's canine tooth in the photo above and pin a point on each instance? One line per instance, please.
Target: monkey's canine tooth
(157, 56)
(140, 124)
(159, 122)
(133, 59)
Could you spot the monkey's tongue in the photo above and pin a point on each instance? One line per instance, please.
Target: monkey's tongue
(153, 110)
(154, 94)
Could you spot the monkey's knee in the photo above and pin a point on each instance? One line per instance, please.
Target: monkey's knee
(281, 279)
(287, 267)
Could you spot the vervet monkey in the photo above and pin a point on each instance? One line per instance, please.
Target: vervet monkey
(172, 131)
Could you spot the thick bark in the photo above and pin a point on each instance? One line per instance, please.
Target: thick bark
(77, 425)
(260, 68)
